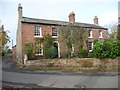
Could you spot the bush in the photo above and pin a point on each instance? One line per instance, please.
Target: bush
(83, 53)
(87, 64)
(97, 50)
(90, 55)
(29, 50)
(3, 53)
(106, 49)
(47, 43)
(51, 52)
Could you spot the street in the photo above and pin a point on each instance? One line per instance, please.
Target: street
(59, 80)
(62, 81)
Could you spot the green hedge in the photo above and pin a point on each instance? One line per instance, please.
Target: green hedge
(106, 49)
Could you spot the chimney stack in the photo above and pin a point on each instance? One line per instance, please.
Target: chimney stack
(20, 11)
(72, 17)
(96, 20)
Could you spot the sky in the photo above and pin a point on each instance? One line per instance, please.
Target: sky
(85, 10)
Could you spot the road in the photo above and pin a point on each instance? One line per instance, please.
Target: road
(60, 80)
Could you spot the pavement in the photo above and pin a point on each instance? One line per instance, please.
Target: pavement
(56, 79)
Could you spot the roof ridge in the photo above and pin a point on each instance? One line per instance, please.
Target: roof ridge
(45, 19)
(58, 22)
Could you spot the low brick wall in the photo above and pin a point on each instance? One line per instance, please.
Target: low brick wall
(62, 62)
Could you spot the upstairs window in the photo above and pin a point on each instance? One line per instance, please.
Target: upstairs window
(100, 34)
(37, 32)
(90, 34)
(54, 32)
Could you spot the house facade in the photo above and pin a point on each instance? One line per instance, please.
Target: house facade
(30, 28)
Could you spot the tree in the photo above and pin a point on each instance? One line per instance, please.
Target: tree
(71, 34)
(113, 30)
(4, 38)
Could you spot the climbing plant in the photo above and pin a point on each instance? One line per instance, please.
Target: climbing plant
(71, 34)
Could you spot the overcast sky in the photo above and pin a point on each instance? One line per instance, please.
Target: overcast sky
(85, 10)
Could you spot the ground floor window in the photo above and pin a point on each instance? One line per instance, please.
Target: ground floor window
(90, 46)
(38, 49)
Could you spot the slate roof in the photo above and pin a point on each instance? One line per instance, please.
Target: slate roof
(56, 22)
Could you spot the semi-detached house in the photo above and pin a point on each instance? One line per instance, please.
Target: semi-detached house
(30, 28)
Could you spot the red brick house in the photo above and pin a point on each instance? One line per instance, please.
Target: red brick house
(30, 28)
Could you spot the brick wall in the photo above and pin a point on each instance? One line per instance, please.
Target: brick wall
(28, 35)
(28, 32)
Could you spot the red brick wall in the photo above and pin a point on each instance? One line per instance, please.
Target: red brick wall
(95, 33)
(28, 35)
(28, 32)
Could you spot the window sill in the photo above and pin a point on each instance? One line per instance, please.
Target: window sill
(54, 36)
(100, 37)
(38, 36)
(39, 54)
(90, 50)
(90, 37)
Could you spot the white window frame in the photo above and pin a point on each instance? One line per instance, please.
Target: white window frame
(52, 33)
(91, 47)
(41, 50)
(40, 30)
(91, 33)
(100, 34)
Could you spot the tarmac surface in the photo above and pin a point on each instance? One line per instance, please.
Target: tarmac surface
(14, 76)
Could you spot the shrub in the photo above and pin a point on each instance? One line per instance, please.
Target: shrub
(87, 64)
(90, 55)
(51, 52)
(97, 50)
(82, 53)
(3, 53)
(47, 43)
(29, 50)
(106, 49)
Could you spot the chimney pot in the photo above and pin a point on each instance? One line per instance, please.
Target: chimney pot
(72, 17)
(19, 11)
(96, 20)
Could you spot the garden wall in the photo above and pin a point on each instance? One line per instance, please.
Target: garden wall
(75, 63)
(62, 62)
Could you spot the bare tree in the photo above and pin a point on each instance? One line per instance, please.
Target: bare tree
(113, 30)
